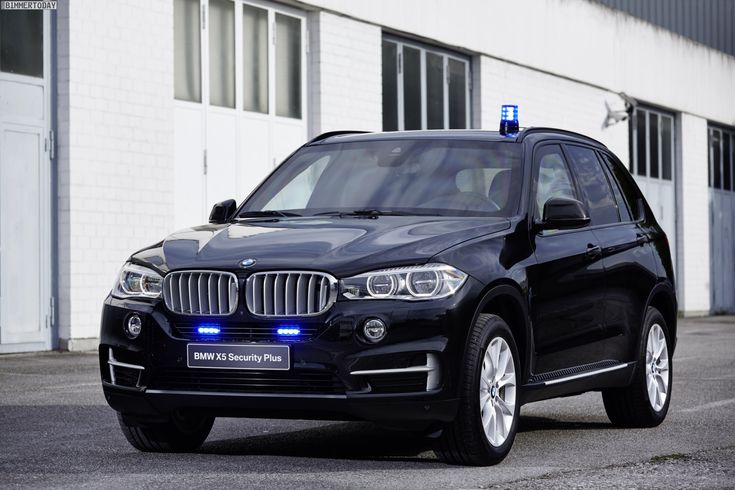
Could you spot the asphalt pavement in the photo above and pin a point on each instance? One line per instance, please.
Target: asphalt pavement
(57, 431)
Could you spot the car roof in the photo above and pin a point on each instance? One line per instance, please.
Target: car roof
(452, 134)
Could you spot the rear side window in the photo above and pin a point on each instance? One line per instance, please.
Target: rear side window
(625, 181)
(591, 178)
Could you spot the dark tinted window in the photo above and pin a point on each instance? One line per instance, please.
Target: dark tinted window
(21, 42)
(591, 178)
(625, 181)
(390, 86)
(623, 207)
(554, 178)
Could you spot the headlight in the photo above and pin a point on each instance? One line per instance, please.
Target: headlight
(137, 281)
(431, 281)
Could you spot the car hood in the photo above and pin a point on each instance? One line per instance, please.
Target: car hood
(340, 245)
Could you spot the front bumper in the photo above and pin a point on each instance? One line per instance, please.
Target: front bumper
(409, 376)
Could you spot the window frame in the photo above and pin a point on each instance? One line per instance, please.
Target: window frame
(724, 131)
(446, 56)
(204, 33)
(633, 142)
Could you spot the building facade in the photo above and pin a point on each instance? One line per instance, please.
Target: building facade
(122, 121)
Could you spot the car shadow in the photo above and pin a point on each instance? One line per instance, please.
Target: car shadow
(346, 441)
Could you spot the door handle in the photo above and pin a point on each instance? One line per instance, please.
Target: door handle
(641, 239)
(593, 251)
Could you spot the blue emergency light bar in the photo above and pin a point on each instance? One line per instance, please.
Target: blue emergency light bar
(509, 120)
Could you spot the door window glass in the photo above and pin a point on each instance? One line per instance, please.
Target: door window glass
(288, 66)
(593, 182)
(652, 144)
(554, 179)
(222, 53)
(21, 42)
(622, 188)
(255, 58)
(411, 88)
(457, 94)
(390, 86)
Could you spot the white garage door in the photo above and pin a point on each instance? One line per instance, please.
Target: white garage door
(722, 219)
(652, 165)
(240, 78)
(25, 189)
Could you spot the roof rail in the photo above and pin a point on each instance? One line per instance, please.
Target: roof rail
(329, 134)
(531, 130)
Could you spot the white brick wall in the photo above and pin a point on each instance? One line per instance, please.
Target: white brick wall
(693, 231)
(115, 125)
(547, 100)
(346, 83)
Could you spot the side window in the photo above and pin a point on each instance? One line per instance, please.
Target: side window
(554, 179)
(624, 192)
(600, 200)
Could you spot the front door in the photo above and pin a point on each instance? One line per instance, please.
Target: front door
(25, 185)
(567, 282)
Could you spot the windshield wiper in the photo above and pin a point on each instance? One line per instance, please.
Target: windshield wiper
(368, 213)
(266, 214)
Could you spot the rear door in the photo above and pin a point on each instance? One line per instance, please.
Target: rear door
(567, 282)
(626, 254)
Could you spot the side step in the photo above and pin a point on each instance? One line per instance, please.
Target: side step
(576, 372)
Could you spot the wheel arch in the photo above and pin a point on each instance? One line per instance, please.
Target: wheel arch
(505, 299)
(663, 298)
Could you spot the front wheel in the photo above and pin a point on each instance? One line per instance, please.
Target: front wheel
(487, 419)
(646, 401)
(182, 433)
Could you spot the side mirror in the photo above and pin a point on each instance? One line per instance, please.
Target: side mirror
(222, 212)
(564, 213)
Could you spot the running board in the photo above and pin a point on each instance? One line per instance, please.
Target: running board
(570, 374)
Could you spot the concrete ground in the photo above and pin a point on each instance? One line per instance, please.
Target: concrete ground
(57, 431)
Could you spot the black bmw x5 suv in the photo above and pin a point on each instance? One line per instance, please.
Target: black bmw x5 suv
(437, 280)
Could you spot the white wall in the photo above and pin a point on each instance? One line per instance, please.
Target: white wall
(346, 88)
(578, 39)
(115, 120)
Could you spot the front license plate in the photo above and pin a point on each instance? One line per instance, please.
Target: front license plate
(251, 356)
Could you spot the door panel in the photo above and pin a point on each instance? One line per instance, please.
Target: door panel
(189, 164)
(221, 157)
(21, 233)
(567, 291)
(630, 275)
(722, 248)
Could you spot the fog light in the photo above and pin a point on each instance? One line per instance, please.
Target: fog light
(374, 330)
(133, 326)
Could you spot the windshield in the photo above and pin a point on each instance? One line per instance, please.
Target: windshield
(441, 177)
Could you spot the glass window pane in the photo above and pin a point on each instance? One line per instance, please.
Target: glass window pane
(554, 179)
(187, 51)
(641, 156)
(457, 94)
(614, 177)
(21, 42)
(288, 66)
(590, 176)
(434, 91)
(222, 53)
(411, 88)
(390, 86)
(653, 145)
(716, 160)
(255, 58)
(726, 163)
(667, 159)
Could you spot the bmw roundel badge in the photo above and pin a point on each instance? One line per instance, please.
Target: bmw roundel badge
(245, 263)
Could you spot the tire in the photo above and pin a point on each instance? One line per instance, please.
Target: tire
(635, 405)
(182, 433)
(465, 440)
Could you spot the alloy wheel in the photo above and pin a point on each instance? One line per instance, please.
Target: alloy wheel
(497, 391)
(657, 367)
